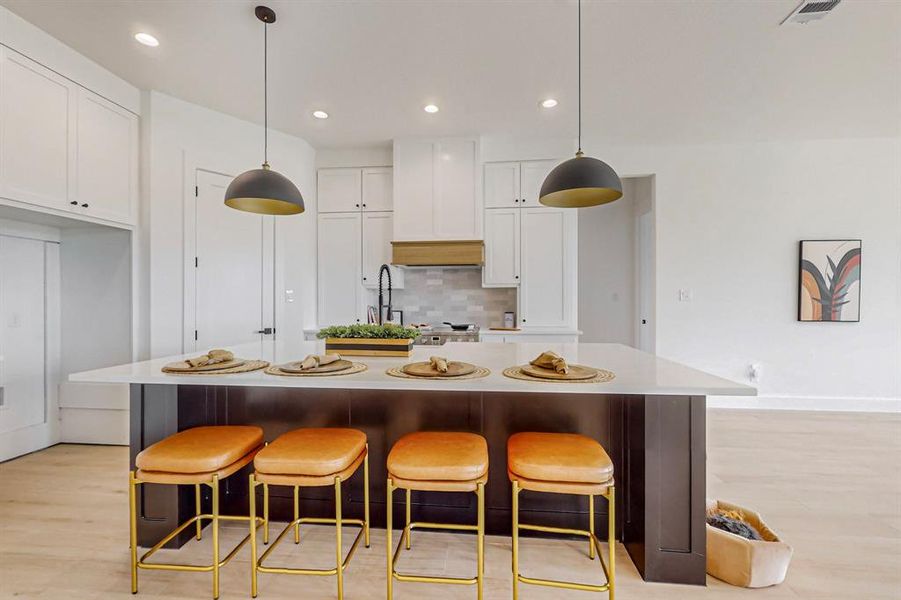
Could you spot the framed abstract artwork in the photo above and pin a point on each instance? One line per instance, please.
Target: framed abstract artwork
(829, 281)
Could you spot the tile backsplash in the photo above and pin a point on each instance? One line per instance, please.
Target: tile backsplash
(455, 295)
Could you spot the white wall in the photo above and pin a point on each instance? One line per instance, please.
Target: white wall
(607, 270)
(729, 218)
(370, 156)
(181, 134)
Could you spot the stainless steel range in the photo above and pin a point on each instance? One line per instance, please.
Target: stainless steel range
(439, 336)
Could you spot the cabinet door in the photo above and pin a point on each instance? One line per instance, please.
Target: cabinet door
(532, 175)
(501, 247)
(37, 139)
(106, 157)
(549, 254)
(339, 269)
(378, 189)
(378, 229)
(414, 164)
(458, 209)
(339, 190)
(501, 185)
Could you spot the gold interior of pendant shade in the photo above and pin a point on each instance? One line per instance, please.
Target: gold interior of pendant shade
(581, 197)
(265, 206)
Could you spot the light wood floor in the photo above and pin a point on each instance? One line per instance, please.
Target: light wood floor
(829, 483)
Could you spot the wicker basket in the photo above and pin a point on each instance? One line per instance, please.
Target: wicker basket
(369, 346)
(743, 562)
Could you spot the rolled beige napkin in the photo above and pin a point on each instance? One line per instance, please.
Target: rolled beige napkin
(213, 357)
(438, 363)
(315, 360)
(551, 360)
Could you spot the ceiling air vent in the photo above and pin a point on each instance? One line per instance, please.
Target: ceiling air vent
(810, 11)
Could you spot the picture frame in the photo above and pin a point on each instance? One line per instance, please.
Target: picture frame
(829, 280)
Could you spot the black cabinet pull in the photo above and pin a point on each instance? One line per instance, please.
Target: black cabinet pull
(516, 276)
(357, 205)
(364, 206)
(85, 205)
(74, 203)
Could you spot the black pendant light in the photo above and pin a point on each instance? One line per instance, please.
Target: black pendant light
(264, 191)
(581, 181)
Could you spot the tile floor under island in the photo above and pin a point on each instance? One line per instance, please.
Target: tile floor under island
(829, 483)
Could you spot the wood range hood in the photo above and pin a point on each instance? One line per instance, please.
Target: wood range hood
(438, 253)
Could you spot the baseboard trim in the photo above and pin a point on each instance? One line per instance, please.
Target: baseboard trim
(823, 403)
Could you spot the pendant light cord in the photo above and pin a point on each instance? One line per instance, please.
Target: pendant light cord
(266, 94)
(579, 37)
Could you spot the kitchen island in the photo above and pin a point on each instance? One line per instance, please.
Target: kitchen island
(650, 419)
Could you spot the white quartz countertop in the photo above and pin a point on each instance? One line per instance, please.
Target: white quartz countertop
(636, 372)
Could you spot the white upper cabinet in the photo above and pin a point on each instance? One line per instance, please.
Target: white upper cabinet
(107, 162)
(37, 111)
(355, 189)
(339, 256)
(378, 228)
(532, 175)
(501, 185)
(340, 190)
(458, 210)
(378, 188)
(64, 147)
(549, 252)
(437, 189)
(502, 250)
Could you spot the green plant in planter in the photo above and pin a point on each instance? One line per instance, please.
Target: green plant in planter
(360, 330)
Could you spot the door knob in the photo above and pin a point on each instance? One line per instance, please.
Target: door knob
(266, 331)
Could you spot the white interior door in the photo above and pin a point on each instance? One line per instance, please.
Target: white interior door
(24, 313)
(233, 276)
(646, 278)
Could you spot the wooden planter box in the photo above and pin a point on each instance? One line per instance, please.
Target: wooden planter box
(369, 346)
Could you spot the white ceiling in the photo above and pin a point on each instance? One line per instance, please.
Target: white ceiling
(655, 72)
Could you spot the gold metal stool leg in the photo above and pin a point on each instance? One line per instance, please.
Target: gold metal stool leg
(366, 496)
(133, 529)
(407, 528)
(296, 514)
(591, 526)
(265, 513)
(480, 537)
(253, 536)
(338, 568)
(197, 508)
(215, 486)
(515, 540)
(611, 538)
(388, 543)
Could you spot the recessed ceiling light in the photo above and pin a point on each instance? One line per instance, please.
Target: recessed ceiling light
(147, 39)
(549, 103)
(320, 114)
(430, 108)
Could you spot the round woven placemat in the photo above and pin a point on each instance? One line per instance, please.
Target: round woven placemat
(603, 376)
(356, 368)
(477, 374)
(250, 365)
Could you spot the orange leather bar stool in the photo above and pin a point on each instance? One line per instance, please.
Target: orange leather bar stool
(562, 463)
(309, 458)
(198, 456)
(433, 461)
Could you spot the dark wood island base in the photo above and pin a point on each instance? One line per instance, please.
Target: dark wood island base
(657, 444)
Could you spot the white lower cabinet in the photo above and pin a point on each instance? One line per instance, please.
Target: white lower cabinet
(378, 231)
(340, 268)
(502, 249)
(522, 337)
(549, 247)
